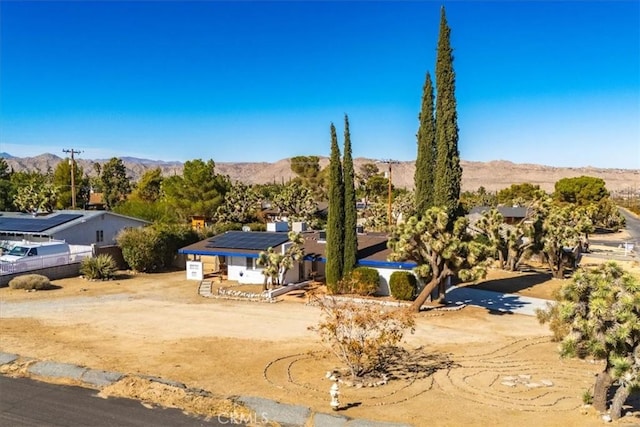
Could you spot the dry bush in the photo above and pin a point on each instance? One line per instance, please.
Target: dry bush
(361, 281)
(30, 282)
(360, 335)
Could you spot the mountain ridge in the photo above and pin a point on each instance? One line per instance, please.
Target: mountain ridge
(493, 175)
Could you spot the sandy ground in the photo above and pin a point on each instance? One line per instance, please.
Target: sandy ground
(158, 325)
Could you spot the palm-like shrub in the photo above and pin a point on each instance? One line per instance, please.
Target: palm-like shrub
(403, 285)
(30, 282)
(102, 267)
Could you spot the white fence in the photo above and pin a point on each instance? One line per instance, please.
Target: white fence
(77, 254)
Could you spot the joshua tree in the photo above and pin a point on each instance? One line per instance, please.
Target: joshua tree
(598, 315)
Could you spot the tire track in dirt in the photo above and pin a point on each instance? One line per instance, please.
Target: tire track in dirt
(504, 378)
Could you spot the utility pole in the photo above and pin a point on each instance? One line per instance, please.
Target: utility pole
(389, 162)
(73, 175)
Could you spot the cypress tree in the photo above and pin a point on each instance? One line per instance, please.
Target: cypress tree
(448, 170)
(350, 213)
(335, 221)
(425, 163)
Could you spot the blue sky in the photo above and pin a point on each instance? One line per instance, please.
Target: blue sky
(555, 83)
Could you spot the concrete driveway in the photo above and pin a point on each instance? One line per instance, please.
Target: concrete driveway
(495, 301)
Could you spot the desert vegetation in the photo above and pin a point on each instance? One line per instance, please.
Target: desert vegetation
(597, 315)
(30, 282)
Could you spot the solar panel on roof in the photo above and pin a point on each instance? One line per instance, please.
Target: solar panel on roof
(35, 224)
(258, 241)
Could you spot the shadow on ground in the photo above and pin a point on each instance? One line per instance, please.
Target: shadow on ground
(513, 285)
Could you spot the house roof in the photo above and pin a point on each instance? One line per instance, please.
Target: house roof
(55, 222)
(505, 211)
(372, 248)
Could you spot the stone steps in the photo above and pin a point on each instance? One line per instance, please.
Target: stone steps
(204, 289)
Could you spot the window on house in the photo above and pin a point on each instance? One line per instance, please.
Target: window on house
(250, 263)
(99, 236)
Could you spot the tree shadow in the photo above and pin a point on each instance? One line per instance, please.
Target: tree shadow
(632, 404)
(412, 365)
(121, 275)
(496, 303)
(515, 284)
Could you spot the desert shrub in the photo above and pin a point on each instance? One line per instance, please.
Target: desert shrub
(361, 334)
(102, 267)
(366, 280)
(139, 248)
(30, 282)
(403, 285)
(172, 237)
(361, 281)
(154, 248)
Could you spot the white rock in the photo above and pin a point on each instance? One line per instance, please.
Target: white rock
(546, 383)
(508, 383)
(524, 377)
(533, 385)
(606, 418)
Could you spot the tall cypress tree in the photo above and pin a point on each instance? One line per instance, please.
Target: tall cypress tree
(448, 170)
(425, 163)
(335, 221)
(350, 213)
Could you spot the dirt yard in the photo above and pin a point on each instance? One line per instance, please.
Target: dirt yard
(474, 367)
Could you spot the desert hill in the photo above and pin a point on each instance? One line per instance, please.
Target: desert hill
(493, 175)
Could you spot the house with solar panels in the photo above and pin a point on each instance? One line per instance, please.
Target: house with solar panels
(238, 252)
(75, 227)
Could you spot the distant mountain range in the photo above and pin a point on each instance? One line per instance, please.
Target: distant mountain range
(493, 175)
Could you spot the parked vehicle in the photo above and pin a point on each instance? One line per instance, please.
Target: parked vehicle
(33, 255)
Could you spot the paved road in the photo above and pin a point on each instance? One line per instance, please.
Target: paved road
(24, 402)
(633, 227)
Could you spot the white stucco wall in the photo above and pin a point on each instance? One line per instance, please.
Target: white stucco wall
(385, 277)
(237, 270)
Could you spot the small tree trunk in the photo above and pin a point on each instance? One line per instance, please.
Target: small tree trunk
(501, 260)
(556, 266)
(424, 294)
(600, 390)
(622, 393)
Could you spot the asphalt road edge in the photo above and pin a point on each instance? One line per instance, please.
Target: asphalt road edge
(265, 410)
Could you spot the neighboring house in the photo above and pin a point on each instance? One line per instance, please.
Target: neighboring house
(239, 250)
(96, 202)
(76, 227)
(512, 214)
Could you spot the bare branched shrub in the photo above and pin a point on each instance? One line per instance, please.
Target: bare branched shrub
(360, 335)
(30, 282)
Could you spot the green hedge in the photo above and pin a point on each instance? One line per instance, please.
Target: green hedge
(403, 285)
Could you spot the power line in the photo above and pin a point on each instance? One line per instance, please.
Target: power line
(73, 174)
(389, 162)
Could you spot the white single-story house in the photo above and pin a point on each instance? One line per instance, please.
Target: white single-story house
(239, 250)
(76, 227)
